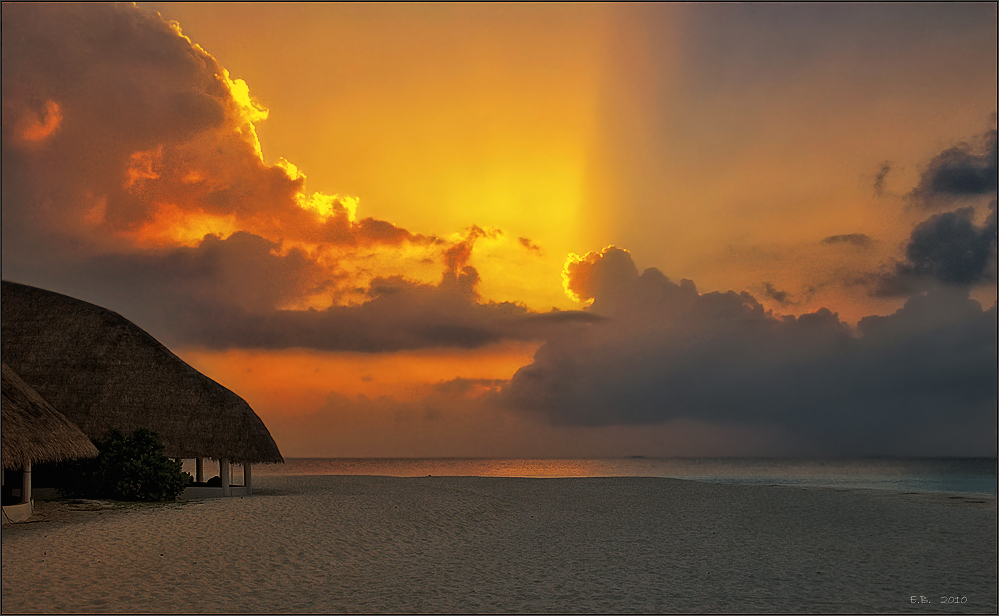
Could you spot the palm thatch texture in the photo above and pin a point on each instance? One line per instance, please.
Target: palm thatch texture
(104, 372)
(33, 431)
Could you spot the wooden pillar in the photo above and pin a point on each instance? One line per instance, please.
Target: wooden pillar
(247, 479)
(225, 476)
(199, 473)
(26, 484)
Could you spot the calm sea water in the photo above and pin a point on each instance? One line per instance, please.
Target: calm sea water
(957, 475)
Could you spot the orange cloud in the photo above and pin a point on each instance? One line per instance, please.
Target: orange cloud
(40, 126)
(176, 161)
(171, 226)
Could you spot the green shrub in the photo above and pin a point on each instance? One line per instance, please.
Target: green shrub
(129, 467)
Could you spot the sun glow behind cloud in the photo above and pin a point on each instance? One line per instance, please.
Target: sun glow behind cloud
(170, 226)
(436, 117)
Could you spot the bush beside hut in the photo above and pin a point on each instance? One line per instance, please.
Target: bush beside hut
(131, 468)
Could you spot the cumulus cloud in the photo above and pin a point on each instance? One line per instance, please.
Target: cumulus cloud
(133, 178)
(118, 96)
(667, 352)
(119, 133)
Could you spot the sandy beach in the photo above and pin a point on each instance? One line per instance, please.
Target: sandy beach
(453, 544)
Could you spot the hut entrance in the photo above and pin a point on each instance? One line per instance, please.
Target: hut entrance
(225, 479)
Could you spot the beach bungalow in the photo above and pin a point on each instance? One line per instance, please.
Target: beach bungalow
(32, 432)
(104, 372)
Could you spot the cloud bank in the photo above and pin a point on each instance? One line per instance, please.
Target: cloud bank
(666, 352)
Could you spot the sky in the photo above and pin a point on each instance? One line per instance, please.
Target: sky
(529, 230)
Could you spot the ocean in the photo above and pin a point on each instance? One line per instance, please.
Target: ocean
(949, 475)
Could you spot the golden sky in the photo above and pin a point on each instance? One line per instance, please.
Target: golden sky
(369, 202)
(579, 127)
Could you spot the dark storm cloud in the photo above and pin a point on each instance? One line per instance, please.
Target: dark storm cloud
(948, 249)
(860, 240)
(400, 315)
(667, 352)
(966, 170)
(951, 248)
(229, 294)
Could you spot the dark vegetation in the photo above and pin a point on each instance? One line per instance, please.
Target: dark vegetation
(130, 468)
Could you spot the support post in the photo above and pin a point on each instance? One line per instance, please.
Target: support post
(224, 475)
(199, 473)
(247, 479)
(26, 484)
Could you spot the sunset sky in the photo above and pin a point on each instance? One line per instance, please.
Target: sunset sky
(537, 230)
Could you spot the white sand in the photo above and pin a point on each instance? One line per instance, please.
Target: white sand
(437, 544)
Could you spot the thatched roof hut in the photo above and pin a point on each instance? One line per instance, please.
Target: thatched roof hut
(104, 372)
(33, 431)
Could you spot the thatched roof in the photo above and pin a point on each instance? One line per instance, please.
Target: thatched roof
(104, 372)
(34, 432)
